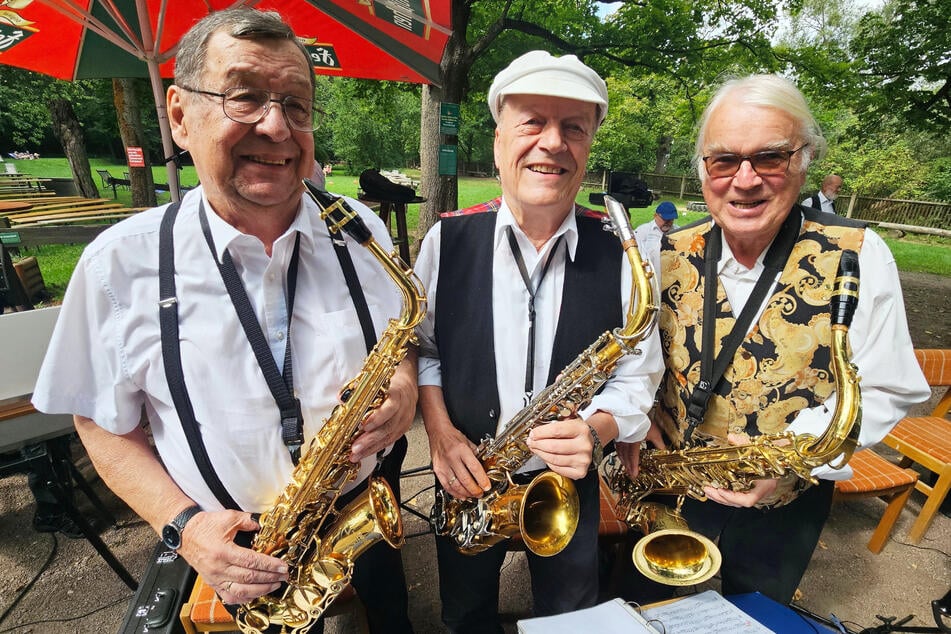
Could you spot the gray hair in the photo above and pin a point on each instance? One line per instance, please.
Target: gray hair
(766, 91)
(242, 24)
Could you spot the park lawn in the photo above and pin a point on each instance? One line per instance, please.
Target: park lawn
(925, 254)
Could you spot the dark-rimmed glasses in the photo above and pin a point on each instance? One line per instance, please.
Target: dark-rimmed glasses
(250, 105)
(765, 163)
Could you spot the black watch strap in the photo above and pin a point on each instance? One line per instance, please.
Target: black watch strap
(597, 451)
(172, 532)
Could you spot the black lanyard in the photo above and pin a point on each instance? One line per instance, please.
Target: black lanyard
(532, 293)
(711, 370)
(280, 384)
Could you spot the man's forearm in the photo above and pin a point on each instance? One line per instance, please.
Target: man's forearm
(129, 467)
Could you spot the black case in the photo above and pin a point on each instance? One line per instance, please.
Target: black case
(164, 587)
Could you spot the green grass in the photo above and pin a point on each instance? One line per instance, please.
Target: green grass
(925, 254)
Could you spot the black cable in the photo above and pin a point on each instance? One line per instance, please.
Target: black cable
(27, 587)
(71, 618)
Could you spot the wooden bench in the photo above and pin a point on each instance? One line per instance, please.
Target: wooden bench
(926, 440)
(204, 611)
(83, 214)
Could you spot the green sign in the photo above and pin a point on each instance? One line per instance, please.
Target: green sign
(11, 238)
(449, 118)
(447, 160)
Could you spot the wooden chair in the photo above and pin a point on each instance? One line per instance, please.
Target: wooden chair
(204, 611)
(873, 476)
(926, 440)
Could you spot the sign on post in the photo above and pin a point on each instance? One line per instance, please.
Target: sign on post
(449, 119)
(447, 160)
(135, 156)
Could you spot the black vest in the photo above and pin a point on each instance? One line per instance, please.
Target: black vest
(590, 305)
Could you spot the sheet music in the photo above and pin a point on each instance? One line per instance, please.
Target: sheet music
(705, 613)
(607, 618)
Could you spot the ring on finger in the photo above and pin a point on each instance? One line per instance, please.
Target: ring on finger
(452, 480)
(226, 586)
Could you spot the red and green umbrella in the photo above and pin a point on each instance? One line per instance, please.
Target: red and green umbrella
(398, 40)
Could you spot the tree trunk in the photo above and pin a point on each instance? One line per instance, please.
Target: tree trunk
(442, 192)
(124, 92)
(69, 133)
(662, 154)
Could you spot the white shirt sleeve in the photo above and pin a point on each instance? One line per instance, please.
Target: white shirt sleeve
(890, 377)
(427, 268)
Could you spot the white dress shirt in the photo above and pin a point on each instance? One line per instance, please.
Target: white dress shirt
(648, 239)
(105, 360)
(628, 395)
(824, 203)
(891, 379)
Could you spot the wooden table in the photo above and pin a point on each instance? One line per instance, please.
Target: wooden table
(397, 209)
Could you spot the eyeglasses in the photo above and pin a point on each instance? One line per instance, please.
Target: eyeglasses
(250, 105)
(765, 163)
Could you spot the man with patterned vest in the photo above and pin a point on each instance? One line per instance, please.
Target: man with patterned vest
(766, 263)
(516, 293)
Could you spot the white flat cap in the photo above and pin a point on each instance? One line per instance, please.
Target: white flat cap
(541, 73)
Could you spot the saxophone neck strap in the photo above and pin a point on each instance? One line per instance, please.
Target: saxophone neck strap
(711, 370)
(281, 384)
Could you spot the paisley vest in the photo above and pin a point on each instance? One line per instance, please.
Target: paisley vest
(783, 364)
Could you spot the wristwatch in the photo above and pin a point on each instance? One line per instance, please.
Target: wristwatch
(597, 451)
(172, 532)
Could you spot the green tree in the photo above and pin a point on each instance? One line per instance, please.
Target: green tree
(902, 56)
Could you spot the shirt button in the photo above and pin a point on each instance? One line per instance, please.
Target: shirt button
(280, 335)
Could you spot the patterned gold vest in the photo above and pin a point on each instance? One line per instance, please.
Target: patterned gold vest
(782, 365)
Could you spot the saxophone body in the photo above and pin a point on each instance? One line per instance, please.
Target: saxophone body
(671, 554)
(304, 528)
(544, 512)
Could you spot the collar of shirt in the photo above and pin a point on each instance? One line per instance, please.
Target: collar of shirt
(225, 234)
(569, 227)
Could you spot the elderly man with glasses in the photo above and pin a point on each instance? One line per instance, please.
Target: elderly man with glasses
(758, 274)
(255, 275)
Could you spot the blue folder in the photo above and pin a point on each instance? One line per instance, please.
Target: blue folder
(776, 616)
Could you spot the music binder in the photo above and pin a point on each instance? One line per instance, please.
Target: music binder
(605, 618)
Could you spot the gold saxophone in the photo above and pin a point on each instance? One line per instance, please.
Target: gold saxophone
(545, 511)
(671, 554)
(318, 542)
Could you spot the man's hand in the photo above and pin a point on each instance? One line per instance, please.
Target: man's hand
(237, 574)
(385, 425)
(630, 452)
(564, 445)
(455, 463)
(761, 490)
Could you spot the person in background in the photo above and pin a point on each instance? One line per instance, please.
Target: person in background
(756, 139)
(824, 199)
(242, 105)
(649, 234)
(518, 287)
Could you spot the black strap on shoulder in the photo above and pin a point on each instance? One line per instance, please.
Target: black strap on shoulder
(353, 285)
(171, 355)
(280, 384)
(711, 371)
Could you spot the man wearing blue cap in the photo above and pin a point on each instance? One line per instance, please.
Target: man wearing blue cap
(649, 234)
(515, 293)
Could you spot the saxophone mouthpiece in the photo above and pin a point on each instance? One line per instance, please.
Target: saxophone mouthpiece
(620, 221)
(342, 215)
(845, 293)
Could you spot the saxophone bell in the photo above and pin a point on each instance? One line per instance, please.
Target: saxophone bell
(670, 553)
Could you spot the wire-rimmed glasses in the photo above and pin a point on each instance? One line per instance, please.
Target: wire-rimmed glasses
(250, 105)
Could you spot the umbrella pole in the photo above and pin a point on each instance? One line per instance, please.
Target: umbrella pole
(168, 147)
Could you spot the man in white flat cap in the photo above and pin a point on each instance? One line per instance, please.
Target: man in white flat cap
(518, 287)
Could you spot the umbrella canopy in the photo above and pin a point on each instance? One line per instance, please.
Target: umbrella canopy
(399, 40)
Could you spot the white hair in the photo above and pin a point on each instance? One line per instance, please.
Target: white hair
(766, 91)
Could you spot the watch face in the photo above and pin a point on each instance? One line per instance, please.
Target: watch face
(171, 537)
